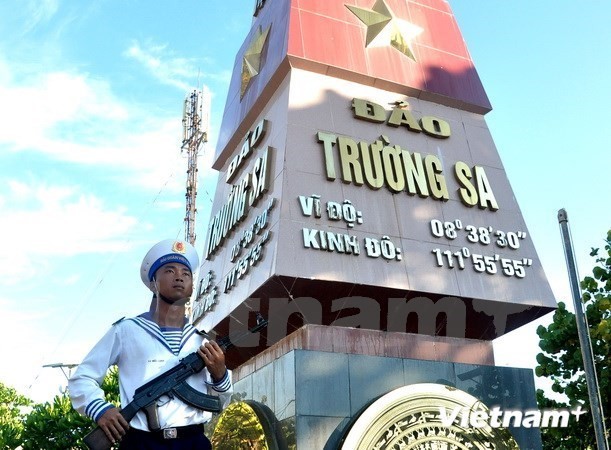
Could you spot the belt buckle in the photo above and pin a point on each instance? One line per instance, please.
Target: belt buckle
(170, 433)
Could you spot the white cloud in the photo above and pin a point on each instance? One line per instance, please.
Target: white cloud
(32, 110)
(14, 322)
(75, 118)
(23, 368)
(173, 70)
(163, 65)
(40, 223)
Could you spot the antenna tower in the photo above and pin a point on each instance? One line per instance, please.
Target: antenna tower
(195, 133)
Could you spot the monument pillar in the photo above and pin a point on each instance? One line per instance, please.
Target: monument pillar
(362, 208)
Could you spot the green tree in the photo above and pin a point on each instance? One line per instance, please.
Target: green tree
(57, 426)
(561, 360)
(13, 409)
(239, 428)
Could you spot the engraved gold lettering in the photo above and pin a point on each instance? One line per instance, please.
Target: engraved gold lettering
(435, 127)
(437, 182)
(328, 141)
(349, 159)
(365, 110)
(479, 193)
(372, 164)
(251, 140)
(404, 117)
(373, 112)
(381, 163)
(393, 169)
(486, 196)
(258, 133)
(246, 193)
(415, 174)
(260, 177)
(467, 193)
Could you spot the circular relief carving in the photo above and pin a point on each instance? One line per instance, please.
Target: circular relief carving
(410, 418)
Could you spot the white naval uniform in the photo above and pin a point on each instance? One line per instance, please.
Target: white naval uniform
(138, 347)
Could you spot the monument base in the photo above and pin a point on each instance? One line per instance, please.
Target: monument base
(318, 380)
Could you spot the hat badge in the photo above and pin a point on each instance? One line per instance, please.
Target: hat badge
(179, 247)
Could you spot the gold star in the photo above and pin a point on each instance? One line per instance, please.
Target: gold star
(384, 28)
(251, 61)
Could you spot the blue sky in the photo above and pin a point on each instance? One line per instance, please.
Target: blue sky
(91, 172)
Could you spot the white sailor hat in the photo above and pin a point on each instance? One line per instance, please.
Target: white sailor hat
(164, 252)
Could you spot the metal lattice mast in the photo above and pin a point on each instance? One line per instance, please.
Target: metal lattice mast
(195, 133)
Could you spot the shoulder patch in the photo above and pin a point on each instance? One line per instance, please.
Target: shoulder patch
(118, 321)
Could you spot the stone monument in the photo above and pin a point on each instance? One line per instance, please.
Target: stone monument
(363, 210)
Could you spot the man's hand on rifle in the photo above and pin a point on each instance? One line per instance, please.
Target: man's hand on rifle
(214, 358)
(113, 424)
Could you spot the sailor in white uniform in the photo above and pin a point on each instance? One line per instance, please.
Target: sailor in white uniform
(143, 347)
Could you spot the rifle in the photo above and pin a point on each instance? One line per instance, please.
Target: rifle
(172, 382)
